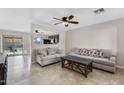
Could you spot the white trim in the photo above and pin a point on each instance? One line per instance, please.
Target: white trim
(122, 67)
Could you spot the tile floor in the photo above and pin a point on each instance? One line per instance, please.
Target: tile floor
(55, 75)
(21, 71)
(18, 70)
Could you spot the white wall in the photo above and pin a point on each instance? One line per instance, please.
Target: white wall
(109, 35)
(60, 45)
(120, 29)
(15, 19)
(105, 38)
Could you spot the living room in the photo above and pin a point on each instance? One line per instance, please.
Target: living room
(61, 46)
(46, 42)
(102, 35)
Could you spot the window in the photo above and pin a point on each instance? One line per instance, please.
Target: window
(12, 44)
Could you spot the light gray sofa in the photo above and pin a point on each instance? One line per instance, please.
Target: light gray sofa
(105, 61)
(46, 56)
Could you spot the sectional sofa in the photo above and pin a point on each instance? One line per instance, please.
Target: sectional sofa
(104, 59)
(46, 56)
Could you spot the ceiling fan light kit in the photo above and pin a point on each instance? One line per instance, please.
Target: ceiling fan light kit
(36, 31)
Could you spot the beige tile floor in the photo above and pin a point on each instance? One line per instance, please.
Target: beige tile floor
(19, 72)
(55, 75)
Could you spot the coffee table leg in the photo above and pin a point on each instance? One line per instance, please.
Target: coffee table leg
(86, 71)
(62, 63)
(91, 68)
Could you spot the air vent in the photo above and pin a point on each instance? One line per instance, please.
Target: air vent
(99, 11)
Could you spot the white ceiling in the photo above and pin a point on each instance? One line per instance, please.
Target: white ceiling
(85, 16)
(20, 19)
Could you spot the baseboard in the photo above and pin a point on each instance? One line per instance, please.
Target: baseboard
(122, 67)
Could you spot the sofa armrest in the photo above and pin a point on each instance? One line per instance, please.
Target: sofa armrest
(39, 58)
(113, 59)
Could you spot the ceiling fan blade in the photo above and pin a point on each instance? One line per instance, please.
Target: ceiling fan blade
(64, 19)
(58, 23)
(58, 19)
(70, 17)
(73, 22)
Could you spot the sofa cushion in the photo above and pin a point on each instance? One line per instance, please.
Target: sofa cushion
(59, 51)
(76, 50)
(51, 51)
(59, 55)
(104, 67)
(48, 57)
(104, 61)
(87, 57)
(81, 56)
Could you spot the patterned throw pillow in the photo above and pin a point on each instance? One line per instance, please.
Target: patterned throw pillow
(94, 53)
(90, 52)
(97, 53)
(101, 54)
(81, 51)
(84, 52)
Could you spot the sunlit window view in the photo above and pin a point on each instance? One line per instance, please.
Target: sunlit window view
(12, 44)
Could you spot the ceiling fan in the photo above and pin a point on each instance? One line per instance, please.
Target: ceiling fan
(66, 20)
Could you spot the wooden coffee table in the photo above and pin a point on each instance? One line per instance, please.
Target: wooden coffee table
(78, 64)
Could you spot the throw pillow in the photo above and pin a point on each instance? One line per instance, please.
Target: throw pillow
(76, 50)
(90, 52)
(84, 52)
(51, 51)
(101, 54)
(42, 52)
(106, 52)
(95, 53)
